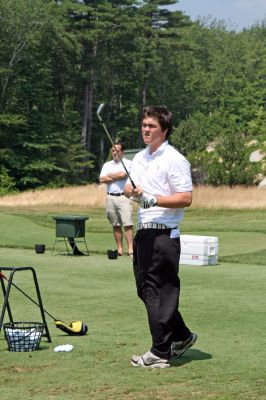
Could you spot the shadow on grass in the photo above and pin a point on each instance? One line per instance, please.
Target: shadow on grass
(257, 257)
(190, 355)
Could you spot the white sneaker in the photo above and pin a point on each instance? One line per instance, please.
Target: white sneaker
(149, 360)
(179, 348)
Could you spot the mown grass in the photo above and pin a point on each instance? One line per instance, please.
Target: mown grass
(239, 231)
(224, 364)
(224, 304)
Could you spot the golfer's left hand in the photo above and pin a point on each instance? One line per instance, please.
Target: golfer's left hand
(147, 201)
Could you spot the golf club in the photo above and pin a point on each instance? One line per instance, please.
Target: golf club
(74, 328)
(100, 108)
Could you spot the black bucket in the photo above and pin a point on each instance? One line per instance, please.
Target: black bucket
(23, 336)
(112, 254)
(39, 248)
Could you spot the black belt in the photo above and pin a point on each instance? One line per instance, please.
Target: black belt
(115, 194)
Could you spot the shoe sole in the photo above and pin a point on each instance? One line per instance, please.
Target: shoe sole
(186, 347)
(158, 365)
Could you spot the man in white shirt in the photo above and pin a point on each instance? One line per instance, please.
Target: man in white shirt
(118, 207)
(164, 187)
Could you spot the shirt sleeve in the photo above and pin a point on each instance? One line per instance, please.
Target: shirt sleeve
(104, 170)
(180, 175)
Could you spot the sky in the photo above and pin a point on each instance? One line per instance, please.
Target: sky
(237, 14)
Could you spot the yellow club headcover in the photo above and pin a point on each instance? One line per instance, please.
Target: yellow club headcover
(74, 328)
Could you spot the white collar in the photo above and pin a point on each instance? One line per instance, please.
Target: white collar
(116, 163)
(156, 152)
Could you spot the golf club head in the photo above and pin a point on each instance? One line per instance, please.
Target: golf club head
(100, 108)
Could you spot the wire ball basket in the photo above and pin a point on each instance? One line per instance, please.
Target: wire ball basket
(23, 336)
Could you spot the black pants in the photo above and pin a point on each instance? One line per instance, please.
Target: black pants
(156, 265)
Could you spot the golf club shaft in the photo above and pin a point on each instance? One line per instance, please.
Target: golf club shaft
(113, 144)
(25, 294)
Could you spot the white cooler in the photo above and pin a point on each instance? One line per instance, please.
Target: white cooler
(199, 250)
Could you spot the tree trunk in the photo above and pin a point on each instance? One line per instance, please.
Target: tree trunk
(90, 97)
(13, 60)
(84, 128)
(142, 104)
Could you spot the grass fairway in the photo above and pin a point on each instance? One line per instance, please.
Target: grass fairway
(224, 304)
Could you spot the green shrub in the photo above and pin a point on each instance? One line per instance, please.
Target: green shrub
(7, 183)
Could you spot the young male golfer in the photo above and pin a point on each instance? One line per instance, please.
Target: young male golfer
(164, 187)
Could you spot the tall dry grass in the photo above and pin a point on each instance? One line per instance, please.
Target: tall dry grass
(93, 196)
(224, 197)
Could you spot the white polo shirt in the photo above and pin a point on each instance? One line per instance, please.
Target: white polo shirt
(162, 173)
(112, 166)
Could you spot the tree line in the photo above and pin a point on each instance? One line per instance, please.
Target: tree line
(60, 59)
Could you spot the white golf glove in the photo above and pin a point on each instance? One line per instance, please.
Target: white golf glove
(147, 201)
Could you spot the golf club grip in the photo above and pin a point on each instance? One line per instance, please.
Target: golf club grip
(132, 182)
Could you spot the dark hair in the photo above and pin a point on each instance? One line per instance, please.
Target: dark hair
(119, 144)
(164, 117)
